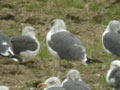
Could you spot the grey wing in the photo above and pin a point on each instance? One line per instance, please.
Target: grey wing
(23, 43)
(67, 45)
(113, 73)
(75, 85)
(117, 80)
(111, 42)
(85, 86)
(56, 88)
(116, 75)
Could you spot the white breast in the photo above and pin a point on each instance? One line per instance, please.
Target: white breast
(52, 52)
(106, 31)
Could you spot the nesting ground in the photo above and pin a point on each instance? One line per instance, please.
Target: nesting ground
(85, 18)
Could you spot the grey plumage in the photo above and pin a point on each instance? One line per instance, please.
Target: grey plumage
(67, 45)
(23, 43)
(113, 75)
(73, 81)
(56, 88)
(4, 38)
(111, 38)
(116, 74)
(6, 49)
(64, 45)
(111, 42)
(26, 46)
(75, 85)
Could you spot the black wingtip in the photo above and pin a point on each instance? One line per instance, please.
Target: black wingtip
(18, 58)
(89, 61)
(15, 57)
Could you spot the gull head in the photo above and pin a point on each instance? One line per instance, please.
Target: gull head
(73, 75)
(57, 24)
(29, 31)
(50, 82)
(114, 26)
(115, 64)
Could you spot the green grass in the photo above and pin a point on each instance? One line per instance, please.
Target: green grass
(29, 7)
(69, 3)
(74, 4)
(44, 52)
(43, 1)
(112, 13)
(56, 12)
(95, 7)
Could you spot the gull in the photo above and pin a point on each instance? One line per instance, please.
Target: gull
(26, 46)
(73, 81)
(52, 83)
(113, 75)
(64, 45)
(111, 38)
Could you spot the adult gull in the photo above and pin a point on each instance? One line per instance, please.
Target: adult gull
(64, 45)
(113, 75)
(73, 81)
(111, 38)
(52, 83)
(26, 46)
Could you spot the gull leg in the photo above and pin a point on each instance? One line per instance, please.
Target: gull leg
(17, 68)
(59, 69)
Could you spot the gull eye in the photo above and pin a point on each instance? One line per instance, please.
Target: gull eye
(52, 23)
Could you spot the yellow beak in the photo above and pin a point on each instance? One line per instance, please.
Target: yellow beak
(41, 85)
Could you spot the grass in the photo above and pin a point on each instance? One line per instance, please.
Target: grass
(45, 65)
(56, 12)
(95, 7)
(43, 1)
(44, 53)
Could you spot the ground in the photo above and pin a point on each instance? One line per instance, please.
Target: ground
(87, 19)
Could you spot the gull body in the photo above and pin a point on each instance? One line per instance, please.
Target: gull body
(26, 46)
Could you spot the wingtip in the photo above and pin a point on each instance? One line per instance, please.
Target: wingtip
(89, 61)
(17, 59)
(13, 57)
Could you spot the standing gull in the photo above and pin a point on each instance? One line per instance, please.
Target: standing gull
(6, 49)
(64, 45)
(52, 83)
(27, 45)
(73, 81)
(113, 75)
(111, 38)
